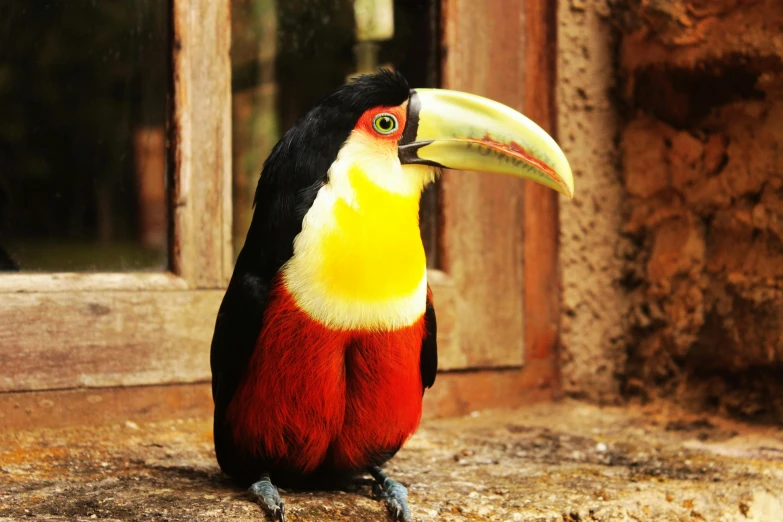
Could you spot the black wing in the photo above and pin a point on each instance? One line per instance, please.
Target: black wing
(236, 332)
(428, 362)
(276, 222)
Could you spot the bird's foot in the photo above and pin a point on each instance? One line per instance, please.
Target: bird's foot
(267, 496)
(393, 493)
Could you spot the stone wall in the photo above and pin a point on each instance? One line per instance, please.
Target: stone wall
(594, 337)
(689, 303)
(703, 170)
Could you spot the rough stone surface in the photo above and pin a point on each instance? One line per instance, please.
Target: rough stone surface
(594, 335)
(704, 181)
(548, 463)
(688, 34)
(672, 251)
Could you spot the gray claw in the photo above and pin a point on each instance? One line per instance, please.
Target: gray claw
(268, 497)
(395, 495)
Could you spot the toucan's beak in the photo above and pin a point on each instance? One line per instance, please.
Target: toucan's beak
(462, 131)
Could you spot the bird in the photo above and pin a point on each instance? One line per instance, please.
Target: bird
(326, 338)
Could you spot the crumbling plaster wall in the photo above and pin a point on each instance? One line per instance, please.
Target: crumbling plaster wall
(594, 336)
(673, 256)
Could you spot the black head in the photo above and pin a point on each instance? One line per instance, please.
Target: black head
(298, 165)
(303, 156)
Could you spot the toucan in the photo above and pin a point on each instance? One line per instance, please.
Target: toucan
(326, 338)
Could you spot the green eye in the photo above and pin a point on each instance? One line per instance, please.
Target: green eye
(385, 123)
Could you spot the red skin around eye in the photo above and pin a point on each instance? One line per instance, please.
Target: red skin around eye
(365, 122)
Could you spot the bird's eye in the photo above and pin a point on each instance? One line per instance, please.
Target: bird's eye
(385, 123)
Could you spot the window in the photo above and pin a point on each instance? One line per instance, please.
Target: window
(82, 144)
(136, 320)
(66, 329)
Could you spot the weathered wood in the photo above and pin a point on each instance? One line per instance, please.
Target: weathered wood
(454, 393)
(81, 282)
(542, 279)
(482, 248)
(459, 393)
(201, 138)
(90, 339)
(141, 335)
(88, 330)
(113, 329)
(444, 297)
(96, 406)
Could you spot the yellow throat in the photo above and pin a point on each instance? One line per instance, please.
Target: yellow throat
(359, 261)
(374, 253)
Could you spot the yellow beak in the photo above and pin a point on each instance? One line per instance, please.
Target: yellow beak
(462, 131)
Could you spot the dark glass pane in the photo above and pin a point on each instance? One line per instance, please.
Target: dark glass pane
(82, 146)
(286, 55)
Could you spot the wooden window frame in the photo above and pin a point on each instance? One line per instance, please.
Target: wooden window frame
(68, 330)
(496, 294)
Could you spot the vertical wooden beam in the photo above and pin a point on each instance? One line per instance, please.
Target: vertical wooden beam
(201, 141)
(542, 279)
(482, 214)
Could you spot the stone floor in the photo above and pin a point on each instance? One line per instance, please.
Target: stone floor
(563, 462)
